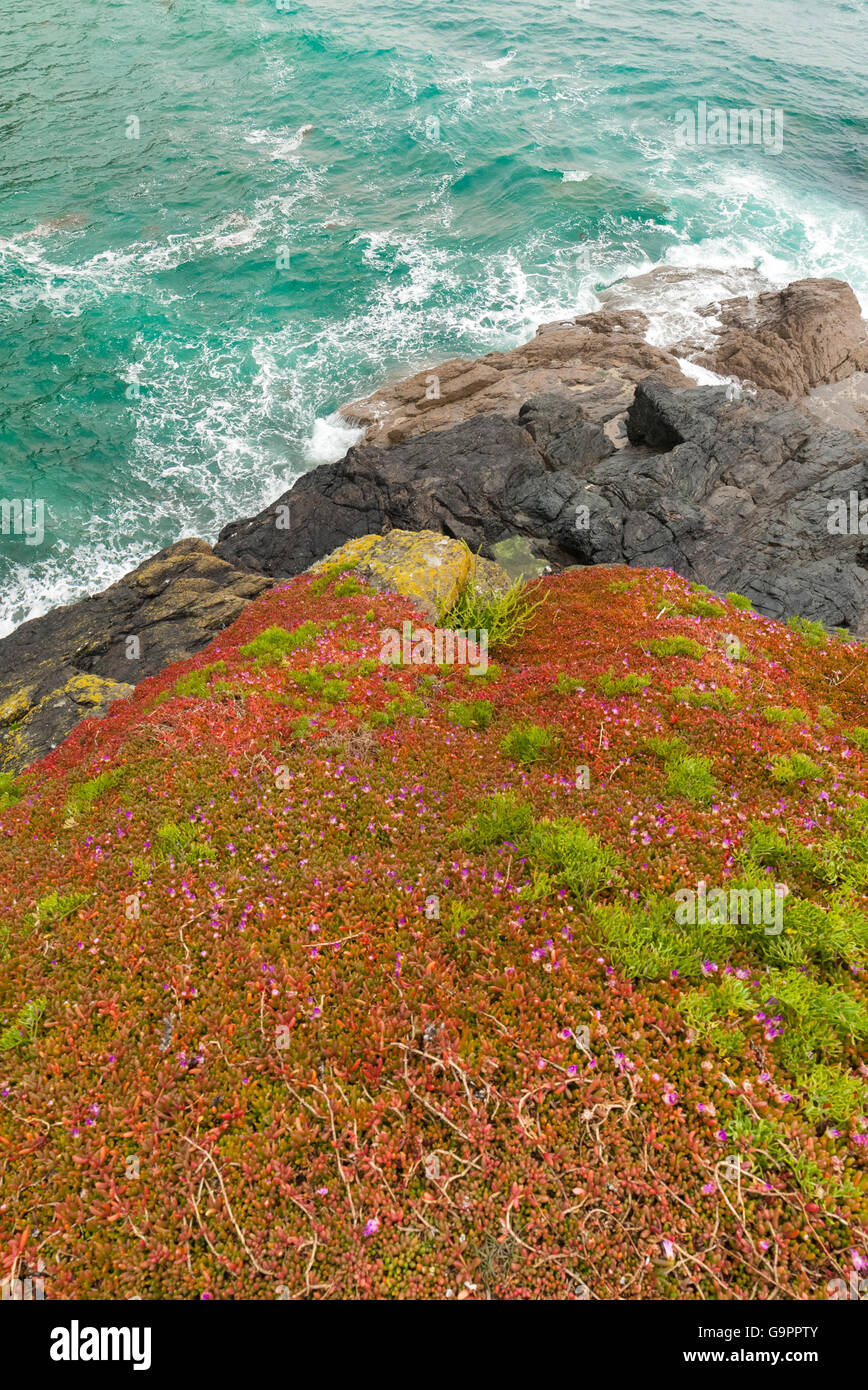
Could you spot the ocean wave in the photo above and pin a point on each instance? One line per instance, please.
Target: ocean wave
(68, 288)
(330, 439)
(30, 590)
(281, 145)
(495, 64)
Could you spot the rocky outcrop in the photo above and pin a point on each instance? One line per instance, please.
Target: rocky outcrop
(799, 340)
(809, 334)
(734, 494)
(36, 717)
(741, 495)
(585, 445)
(425, 566)
(600, 358)
(74, 662)
(467, 482)
(672, 292)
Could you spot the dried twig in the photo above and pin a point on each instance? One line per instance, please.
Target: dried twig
(253, 1260)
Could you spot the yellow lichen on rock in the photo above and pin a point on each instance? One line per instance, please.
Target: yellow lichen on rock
(430, 568)
(95, 690)
(16, 706)
(27, 724)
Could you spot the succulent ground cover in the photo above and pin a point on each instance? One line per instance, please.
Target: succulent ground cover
(324, 978)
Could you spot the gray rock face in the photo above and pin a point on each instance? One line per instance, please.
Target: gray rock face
(734, 494)
(75, 661)
(756, 478)
(841, 403)
(465, 482)
(563, 433)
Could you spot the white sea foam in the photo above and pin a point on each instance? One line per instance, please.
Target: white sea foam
(281, 145)
(281, 73)
(495, 64)
(701, 375)
(761, 219)
(69, 289)
(576, 175)
(31, 590)
(672, 300)
(330, 439)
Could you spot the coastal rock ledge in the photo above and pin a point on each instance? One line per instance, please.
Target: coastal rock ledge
(615, 457)
(738, 494)
(587, 445)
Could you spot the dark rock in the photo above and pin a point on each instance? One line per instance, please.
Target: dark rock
(732, 493)
(75, 661)
(662, 419)
(461, 482)
(560, 427)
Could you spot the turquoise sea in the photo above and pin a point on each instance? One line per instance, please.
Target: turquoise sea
(220, 219)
